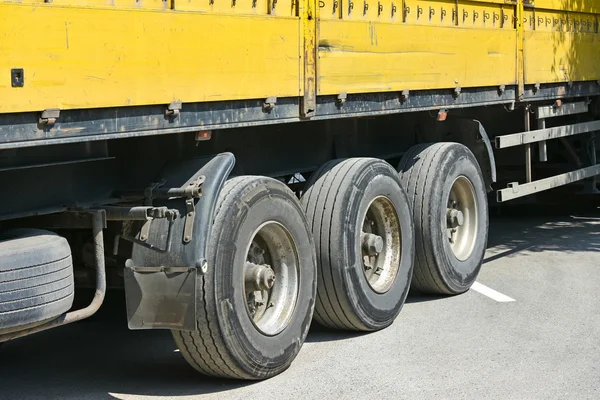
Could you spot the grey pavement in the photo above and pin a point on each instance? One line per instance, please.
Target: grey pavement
(544, 345)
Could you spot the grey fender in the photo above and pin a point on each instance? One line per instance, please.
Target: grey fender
(216, 170)
(161, 278)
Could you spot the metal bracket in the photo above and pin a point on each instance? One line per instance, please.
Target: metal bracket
(49, 116)
(270, 102)
(341, 98)
(146, 214)
(145, 231)
(173, 109)
(404, 95)
(188, 229)
(190, 192)
(143, 243)
(515, 190)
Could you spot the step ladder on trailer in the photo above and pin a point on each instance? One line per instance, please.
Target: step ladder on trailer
(540, 136)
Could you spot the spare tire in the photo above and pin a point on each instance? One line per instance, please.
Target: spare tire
(36, 278)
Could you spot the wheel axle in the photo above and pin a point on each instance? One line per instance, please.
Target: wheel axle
(259, 277)
(372, 244)
(455, 218)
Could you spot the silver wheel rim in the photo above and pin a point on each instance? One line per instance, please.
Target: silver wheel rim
(381, 244)
(461, 218)
(271, 278)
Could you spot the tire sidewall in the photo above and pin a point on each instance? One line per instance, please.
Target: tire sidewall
(377, 310)
(243, 215)
(457, 275)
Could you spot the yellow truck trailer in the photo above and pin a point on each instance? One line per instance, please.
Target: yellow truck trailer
(253, 165)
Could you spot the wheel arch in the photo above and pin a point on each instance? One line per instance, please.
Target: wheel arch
(157, 294)
(468, 132)
(215, 170)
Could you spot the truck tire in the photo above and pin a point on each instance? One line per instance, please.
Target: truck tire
(364, 238)
(36, 278)
(449, 202)
(255, 302)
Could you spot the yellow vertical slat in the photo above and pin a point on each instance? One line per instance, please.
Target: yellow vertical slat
(520, 54)
(309, 15)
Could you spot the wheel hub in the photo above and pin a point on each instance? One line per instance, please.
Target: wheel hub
(461, 218)
(380, 244)
(455, 218)
(259, 277)
(372, 244)
(271, 277)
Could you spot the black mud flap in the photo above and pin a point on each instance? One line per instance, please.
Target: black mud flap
(161, 298)
(161, 280)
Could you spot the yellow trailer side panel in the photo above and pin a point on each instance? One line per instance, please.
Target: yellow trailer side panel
(361, 56)
(104, 53)
(561, 57)
(560, 45)
(98, 57)
(584, 6)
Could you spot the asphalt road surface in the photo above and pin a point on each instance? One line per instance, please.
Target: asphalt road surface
(543, 345)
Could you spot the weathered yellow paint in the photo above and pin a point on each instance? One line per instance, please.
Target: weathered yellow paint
(310, 15)
(102, 53)
(251, 7)
(584, 6)
(561, 41)
(100, 57)
(421, 12)
(561, 57)
(356, 56)
(520, 49)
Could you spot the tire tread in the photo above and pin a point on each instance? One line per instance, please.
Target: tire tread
(418, 180)
(214, 360)
(322, 202)
(36, 277)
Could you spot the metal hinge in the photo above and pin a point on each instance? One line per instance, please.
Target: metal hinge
(49, 116)
(173, 109)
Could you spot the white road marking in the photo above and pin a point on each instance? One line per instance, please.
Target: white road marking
(491, 293)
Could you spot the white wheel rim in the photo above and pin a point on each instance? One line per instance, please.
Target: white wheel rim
(381, 244)
(271, 260)
(461, 218)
